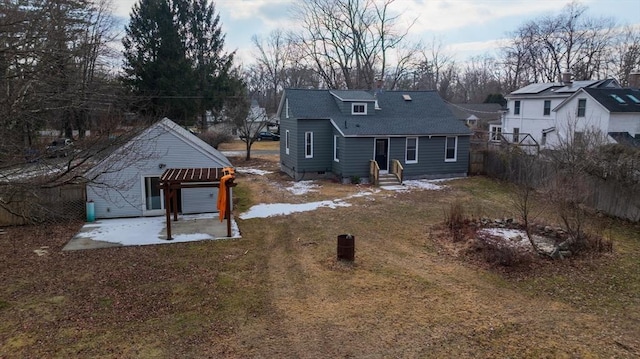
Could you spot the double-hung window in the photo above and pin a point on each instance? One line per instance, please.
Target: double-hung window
(336, 148)
(411, 153)
(582, 107)
(308, 145)
(286, 141)
(516, 107)
(451, 149)
(547, 108)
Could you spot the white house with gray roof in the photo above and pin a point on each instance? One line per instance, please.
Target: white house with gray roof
(531, 117)
(341, 133)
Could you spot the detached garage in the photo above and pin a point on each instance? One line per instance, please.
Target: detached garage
(127, 182)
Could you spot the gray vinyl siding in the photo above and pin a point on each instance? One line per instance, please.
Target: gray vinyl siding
(357, 152)
(431, 158)
(288, 162)
(120, 192)
(322, 146)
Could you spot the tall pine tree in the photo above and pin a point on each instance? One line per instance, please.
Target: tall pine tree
(174, 59)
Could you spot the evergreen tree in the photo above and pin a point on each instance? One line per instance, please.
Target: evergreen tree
(174, 59)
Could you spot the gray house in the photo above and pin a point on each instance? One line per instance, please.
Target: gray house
(127, 182)
(351, 134)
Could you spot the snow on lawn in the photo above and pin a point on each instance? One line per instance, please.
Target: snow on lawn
(303, 187)
(281, 209)
(253, 171)
(408, 186)
(144, 231)
(517, 238)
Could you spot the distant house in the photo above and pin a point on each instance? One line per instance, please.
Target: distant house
(477, 114)
(351, 134)
(612, 112)
(126, 183)
(532, 117)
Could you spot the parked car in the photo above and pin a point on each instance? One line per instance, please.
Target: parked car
(266, 135)
(60, 147)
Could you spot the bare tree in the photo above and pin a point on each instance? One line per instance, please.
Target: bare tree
(347, 41)
(544, 48)
(248, 121)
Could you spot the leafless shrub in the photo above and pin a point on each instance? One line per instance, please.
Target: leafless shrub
(455, 220)
(214, 139)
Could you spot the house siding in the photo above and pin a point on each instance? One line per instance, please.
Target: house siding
(288, 161)
(431, 159)
(122, 196)
(357, 152)
(322, 148)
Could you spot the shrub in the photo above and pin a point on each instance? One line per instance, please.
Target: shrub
(454, 219)
(214, 139)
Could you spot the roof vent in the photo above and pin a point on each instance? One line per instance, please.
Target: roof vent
(406, 97)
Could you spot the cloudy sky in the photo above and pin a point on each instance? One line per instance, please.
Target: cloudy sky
(466, 27)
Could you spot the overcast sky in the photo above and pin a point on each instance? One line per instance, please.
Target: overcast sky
(466, 27)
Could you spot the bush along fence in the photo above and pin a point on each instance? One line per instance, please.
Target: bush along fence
(613, 197)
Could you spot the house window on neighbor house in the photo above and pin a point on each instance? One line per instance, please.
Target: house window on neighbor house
(358, 108)
(496, 131)
(582, 107)
(547, 108)
(516, 107)
(516, 134)
(336, 149)
(308, 145)
(543, 140)
(411, 153)
(286, 142)
(451, 149)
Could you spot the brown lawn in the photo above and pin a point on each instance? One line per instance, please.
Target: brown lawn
(279, 292)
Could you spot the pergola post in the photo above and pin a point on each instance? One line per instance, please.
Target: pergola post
(167, 194)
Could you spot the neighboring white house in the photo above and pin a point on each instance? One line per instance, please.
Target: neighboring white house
(531, 117)
(614, 113)
(126, 183)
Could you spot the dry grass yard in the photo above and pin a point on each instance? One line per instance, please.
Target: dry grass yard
(279, 292)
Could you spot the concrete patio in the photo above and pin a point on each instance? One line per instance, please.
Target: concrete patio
(106, 233)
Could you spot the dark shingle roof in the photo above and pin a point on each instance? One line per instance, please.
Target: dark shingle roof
(607, 98)
(425, 114)
(483, 111)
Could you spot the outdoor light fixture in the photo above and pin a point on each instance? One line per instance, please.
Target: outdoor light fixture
(162, 165)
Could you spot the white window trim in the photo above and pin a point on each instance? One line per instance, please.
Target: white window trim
(455, 149)
(543, 108)
(519, 107)
(286, 108)
(308, 137)
(406, 150)
(286, 141)
(335, 147)
(353, 105)
(578, 108)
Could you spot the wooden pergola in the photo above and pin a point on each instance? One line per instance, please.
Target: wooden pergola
(174, 179)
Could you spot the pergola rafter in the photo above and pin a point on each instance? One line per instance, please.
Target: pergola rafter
(174, 179)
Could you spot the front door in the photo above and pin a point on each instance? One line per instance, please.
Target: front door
(381, 153)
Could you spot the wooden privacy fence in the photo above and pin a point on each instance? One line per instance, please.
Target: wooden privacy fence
(22, 206)
(608, 196)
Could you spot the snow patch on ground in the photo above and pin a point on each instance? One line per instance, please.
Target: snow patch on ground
(144, 230)
(410, 185)
(517, 238)
(281, 209)
(253, 171)
(303, 187)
